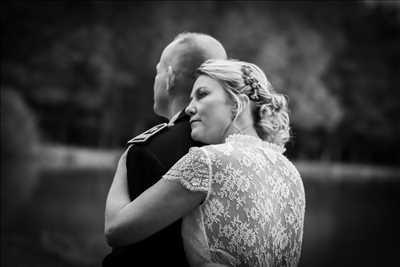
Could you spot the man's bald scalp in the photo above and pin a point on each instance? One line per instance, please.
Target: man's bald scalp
(192, 49)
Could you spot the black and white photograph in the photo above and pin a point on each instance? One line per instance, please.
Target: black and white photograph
(200, 133)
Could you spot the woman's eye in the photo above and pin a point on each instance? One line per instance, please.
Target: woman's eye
(201, 93)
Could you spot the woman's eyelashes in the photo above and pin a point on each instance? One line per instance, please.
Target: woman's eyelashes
(201, 92)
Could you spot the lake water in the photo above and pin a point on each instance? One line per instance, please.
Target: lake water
(350, 223)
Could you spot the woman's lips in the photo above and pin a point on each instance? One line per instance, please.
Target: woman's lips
(194, 121)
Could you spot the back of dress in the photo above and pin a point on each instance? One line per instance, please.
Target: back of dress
(254, 212)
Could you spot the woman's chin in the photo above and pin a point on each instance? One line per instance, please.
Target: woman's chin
(196, 137)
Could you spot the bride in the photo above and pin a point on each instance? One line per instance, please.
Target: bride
(242, 201)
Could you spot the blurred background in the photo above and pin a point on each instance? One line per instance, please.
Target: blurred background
(77, 83)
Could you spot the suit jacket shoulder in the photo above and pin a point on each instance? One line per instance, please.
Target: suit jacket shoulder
(148, 161)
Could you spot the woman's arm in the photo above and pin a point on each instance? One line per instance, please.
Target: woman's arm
(118, 195)
(128, 222)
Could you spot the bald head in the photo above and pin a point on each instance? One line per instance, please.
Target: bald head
(176, 70)
(188, 52)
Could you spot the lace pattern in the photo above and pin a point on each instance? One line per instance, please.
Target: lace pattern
(192, 171)
(254, 212)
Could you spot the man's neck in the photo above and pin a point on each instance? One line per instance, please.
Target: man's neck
(176, 106)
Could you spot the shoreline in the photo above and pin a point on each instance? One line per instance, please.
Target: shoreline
(60, 157)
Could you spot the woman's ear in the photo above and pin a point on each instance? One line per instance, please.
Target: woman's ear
(170, 78)
(245, 101)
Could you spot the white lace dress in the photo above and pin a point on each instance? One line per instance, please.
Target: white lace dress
(253, 214)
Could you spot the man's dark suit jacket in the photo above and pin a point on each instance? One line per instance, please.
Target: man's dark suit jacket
(146, 163)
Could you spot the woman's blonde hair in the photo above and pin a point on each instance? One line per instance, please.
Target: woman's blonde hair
(270, 111)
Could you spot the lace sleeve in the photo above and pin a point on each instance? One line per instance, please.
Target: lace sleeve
(193, 171)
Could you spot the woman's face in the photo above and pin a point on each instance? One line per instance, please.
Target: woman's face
(210, 111)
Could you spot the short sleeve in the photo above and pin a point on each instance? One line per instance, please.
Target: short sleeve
(193, 171)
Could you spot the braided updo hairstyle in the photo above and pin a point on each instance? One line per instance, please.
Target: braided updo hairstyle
(269, 108)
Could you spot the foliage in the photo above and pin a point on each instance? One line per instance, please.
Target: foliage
(19, 151)
(19, 134)
(87, 69)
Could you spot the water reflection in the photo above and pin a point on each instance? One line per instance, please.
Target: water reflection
(19, 180)
(347, 223)
(351, 223)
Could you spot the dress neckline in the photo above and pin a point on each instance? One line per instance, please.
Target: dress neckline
(249, 139)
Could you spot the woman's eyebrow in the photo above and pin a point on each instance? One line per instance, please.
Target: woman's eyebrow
(197, 89)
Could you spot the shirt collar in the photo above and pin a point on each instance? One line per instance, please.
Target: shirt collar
(173, 119)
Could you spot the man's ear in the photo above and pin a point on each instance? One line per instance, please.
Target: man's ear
(170, 78)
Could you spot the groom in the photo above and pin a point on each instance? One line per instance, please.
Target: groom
(155, 151)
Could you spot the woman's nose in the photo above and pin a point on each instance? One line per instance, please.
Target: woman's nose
(190, 109)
